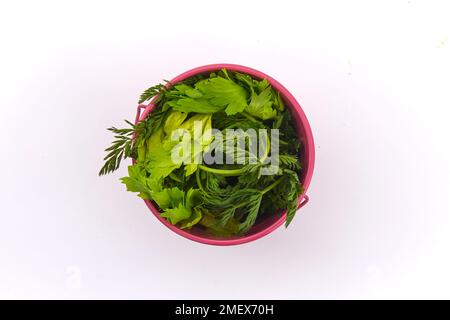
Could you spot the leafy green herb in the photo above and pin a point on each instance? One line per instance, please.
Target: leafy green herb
(149, 93)
(261, 105)
(121, 148)
(224, 199)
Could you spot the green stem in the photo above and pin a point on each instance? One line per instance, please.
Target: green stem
(273, 185)
(222, 172)
(267, 150)
(174, 177)
(248, 116)
(199, 182)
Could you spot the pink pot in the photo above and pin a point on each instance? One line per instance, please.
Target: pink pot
(272, 222)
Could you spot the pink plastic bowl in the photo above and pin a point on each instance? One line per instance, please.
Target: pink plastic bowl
(271, 222)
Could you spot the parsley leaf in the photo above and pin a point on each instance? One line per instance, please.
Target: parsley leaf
(223, 93)
(261, 105)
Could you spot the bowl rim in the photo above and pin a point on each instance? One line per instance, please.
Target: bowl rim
(309, 145)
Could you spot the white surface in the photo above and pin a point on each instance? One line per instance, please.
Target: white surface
(372, 78)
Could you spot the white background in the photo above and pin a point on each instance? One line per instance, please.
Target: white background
(372, 77)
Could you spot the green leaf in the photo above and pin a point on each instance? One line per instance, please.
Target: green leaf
(213, 226)
(168, 198)
(193, 198)
(193, 105)
(181, 207)
(189, 91)
(151, 92)
(159, 158)
(252, 208)
(200, 139)
(278, 102)
(192, 220)
(134, 185)
(120, 149)
(137, 182)
(262, 85)
(261, 105)
(173, 120)
(224, 93)
(141, 151)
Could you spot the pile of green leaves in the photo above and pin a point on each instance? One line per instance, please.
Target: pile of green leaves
(224, 199)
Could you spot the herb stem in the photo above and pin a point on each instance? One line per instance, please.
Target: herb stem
(264, 157)
(199, 182)
(175, 178)
(248, 116)
(273, 185)
(222, 172)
